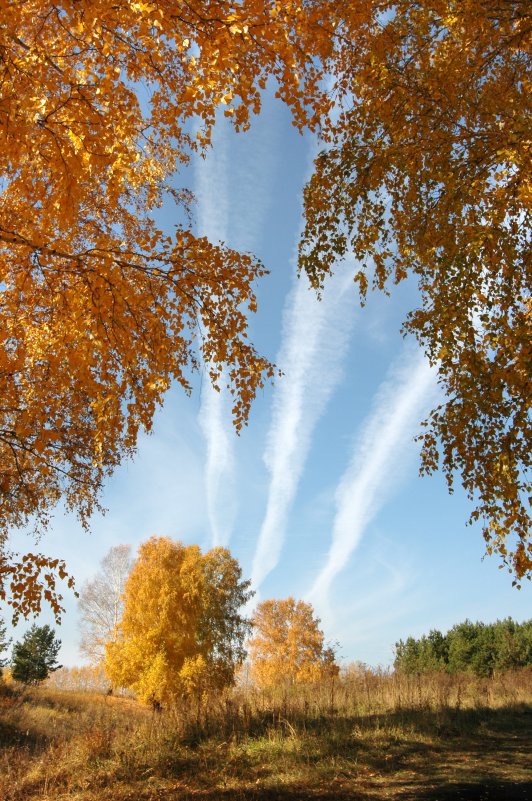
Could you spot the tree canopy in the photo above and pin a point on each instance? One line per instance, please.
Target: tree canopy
(101, 310)
(288, 645)
(425, 120)
(181, 632)
(426, 172)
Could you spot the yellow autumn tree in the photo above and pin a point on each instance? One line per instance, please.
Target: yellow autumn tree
(288, 645)
(181, 632)
(426, 171)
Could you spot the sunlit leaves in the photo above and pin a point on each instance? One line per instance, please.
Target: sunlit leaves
(288, 645)
(181, 632)
(28, 580)
(100, 309)
(426, 172)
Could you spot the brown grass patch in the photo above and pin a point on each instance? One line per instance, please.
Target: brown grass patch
(368, 736)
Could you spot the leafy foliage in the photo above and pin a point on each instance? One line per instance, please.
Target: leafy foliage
(26, 580)
(287, 645)
(426, 172)
(469, 647)
(181, 632)
(100, 602)
(34, 658)
(101, 310)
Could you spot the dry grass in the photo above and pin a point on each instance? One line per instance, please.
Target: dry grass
(368, 736)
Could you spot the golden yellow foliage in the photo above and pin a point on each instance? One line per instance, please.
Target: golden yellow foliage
(101, 310)
(427, 172)
(287, 645)
(181, 632)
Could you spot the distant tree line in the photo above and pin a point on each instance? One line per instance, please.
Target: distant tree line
(171, 625)
(480, 648)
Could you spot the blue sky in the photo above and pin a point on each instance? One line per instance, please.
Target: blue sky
(319, 497)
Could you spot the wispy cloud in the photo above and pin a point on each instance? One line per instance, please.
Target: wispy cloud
(214, 417)
(211, 187)
(233, 188)
(220, 482)
(315, 340)
(379, 453)
(385, 593)
(253, 167)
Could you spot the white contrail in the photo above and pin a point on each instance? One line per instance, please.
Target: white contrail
(315, 340)
(400, 403)
(234, 189)
(215, 422)
(214, 417)
(253, 170)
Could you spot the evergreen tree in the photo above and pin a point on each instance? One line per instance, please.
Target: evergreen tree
(407, 656)
(4, 645)
(35, 656)
(479, 648)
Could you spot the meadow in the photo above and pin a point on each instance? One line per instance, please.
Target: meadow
(365, 735)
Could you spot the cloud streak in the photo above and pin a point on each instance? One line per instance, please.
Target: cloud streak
(220, 481)
(233, 186)
(378, 454)
(315, 341)
(214, 417)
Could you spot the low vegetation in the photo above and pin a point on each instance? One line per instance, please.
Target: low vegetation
(362, 735)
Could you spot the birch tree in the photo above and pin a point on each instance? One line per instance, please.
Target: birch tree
(101, 603)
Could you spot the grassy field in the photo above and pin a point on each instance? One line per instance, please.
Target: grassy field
(366, 737)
